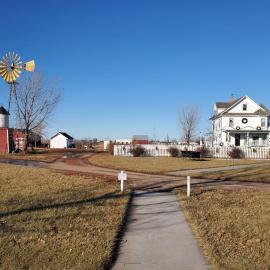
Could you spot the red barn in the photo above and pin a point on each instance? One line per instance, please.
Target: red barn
(4, 131)
(10, 139)
(4, 141)
(140, 139)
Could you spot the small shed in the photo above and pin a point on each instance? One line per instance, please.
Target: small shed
(61, 140)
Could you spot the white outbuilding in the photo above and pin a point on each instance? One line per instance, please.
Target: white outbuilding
(61, 140)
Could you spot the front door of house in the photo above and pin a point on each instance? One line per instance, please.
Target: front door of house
(237, 139)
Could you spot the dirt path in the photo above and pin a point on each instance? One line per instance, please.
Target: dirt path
(77, 163)
(152, 182)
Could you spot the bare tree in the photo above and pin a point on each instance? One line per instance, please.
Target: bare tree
(188, 119)
(34, 102)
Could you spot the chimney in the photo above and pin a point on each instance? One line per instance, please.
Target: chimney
(232, 99)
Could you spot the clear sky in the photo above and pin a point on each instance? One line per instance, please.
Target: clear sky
(126, 67)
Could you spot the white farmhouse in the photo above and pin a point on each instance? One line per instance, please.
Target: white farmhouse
(61, 140)
(240, 122)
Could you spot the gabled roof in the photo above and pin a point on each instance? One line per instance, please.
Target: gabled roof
(263, 111)
(222, 105)
(3, 111)
(64, 134)
(140, 137)
(265, 108)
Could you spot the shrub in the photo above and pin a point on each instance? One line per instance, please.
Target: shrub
(204, 151)
(174, 152)
(111, 148)
(235, 153)
(137, 151)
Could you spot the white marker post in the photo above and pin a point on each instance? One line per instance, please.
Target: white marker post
(188, 186)
(122, 176)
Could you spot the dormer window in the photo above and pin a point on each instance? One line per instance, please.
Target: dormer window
(244, 107)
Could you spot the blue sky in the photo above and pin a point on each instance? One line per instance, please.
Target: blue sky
(127, 67)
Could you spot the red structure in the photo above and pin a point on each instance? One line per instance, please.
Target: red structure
(17, 139)
(4, 140)
(10, 139)
(140, 139)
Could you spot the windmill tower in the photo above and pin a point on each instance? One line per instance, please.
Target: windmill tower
(11, 67)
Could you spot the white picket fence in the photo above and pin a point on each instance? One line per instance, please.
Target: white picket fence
(161, 150)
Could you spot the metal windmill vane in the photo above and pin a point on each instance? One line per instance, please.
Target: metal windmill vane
(11, 67)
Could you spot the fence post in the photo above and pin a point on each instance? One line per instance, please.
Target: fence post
(188, 186)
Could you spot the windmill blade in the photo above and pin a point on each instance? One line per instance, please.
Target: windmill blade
(17, 73)
(19, 63)
(12, 76)
(17, 68)
(5, 76)
(9, 77)
(17, 57)
(3, 72)
(11, 66)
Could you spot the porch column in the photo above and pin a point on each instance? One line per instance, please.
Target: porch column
(260, 140)
(247, 138)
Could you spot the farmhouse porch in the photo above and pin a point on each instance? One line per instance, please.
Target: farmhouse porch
(248, 138)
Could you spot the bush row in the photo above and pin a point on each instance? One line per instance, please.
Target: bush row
(139, 151)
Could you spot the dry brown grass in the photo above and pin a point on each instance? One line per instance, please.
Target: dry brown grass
(232, 226)
(53, 221)
(45, 155)
(161, 164)
(257, 174)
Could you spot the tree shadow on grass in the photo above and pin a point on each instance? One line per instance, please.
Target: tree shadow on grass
(119, 236)
(106, 196)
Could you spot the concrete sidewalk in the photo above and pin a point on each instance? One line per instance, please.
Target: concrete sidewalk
(158, 236)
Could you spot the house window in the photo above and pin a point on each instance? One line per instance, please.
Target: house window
(263, 122)
(244, 107)
(231, 122)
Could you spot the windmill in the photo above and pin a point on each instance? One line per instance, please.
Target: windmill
(11, 67)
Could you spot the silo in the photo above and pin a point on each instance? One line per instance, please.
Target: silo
(4, 115)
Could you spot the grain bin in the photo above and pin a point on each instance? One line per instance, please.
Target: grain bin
(4, 118)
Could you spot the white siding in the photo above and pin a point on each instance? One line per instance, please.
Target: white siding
(60, 141)
(251, 106)
(224, 134)
(253, 122)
